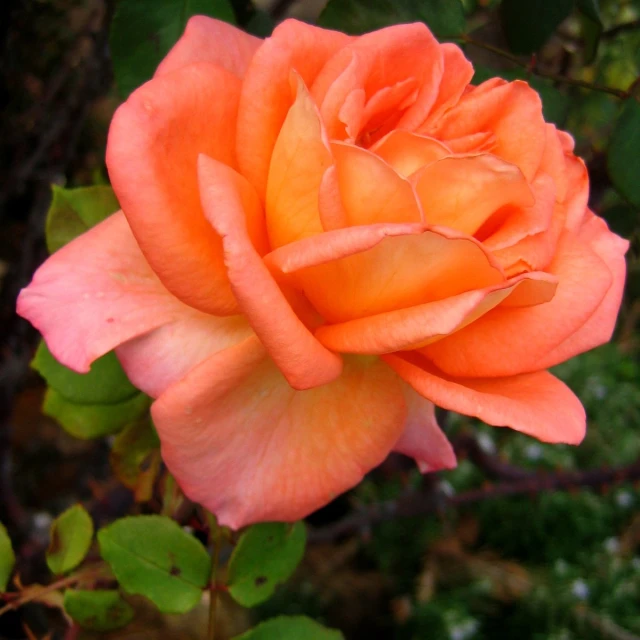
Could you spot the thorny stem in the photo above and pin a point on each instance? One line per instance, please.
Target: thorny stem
(618, 93)
(215, 538)
(33, 593)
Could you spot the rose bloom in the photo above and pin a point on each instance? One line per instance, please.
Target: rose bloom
(321, 238)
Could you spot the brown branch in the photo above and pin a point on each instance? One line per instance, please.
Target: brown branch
(428, 502)
(530, 66)
(620, 28)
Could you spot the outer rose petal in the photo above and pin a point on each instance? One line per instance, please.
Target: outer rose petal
(154, 142)
(599, 327)
(266, 97)
(511, 111)
(422, 438)
(157, 360)
(537, 404)
(243, 443)
(208, 40)
(372, 192)
(300, 157)
(96, 293)
(463, 193)
(390, 267)
(508, 341)
(227, 198)
(414, 327)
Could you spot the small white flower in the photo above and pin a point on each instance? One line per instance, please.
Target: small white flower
(580, 589)
(612, 545)
(624, 499)
(486, 443)
(533, 452)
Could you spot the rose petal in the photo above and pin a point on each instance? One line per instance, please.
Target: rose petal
(389, 267)
(417, 326)
(537, 404)
(509, 341)
(226, 196)
(266, 97)
(208, 40)
(372, 192)
(156, 360)
(519, 221)
(463, 193)
(376, 61)
(407, 152)
(458, 72)
(243, 443)
(511, 111)
(422, 438)
(152, 151)
(300, 157)
(598, 329)
(96, 293)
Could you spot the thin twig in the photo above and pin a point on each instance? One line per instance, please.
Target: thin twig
(33, 593)
(620, 28)
(215, 537)
(433, 501)
(618, 93)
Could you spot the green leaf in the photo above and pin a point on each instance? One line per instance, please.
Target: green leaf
(266, 555)
(143, 31)
(86, 421)
(555, 103)
(131, 450)
(69, 539)
(529, 23)
(623, 158)
(590, 8)
(152, 556)
(444, 17)
(7, 558)
(290, 628)
(106, 383)
(98, 610)
(74, 211)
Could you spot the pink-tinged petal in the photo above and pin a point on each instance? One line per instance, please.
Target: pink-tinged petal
(518, 222)
(96, 293)
(537, 404)
(598, 329)
(156, 360)
(266, 97)
(457, 75)
(463, 193)
(300, 158)
(511, 111)
(415, 327)
(389, 267)
(152, 151)
(226, 195)
(247, 446)
(422, 438)
(508, 341)
(371, 190)
(377, 61)
(208, 40)
(577, 196)
(407, 152)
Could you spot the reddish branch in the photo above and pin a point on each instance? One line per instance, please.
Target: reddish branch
(432, 500)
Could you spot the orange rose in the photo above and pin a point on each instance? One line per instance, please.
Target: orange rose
(321, 237)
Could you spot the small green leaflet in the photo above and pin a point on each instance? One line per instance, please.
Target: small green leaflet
(70, 538)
